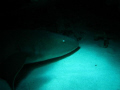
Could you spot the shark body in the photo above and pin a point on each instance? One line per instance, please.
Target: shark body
(30, 46)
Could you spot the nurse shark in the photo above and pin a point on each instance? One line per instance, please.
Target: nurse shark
(20, 47)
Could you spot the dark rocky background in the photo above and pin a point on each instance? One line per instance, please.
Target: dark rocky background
(103, 15)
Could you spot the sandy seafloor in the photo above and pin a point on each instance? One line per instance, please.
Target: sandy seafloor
(92, 67)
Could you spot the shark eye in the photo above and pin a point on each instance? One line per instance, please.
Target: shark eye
(63, 40)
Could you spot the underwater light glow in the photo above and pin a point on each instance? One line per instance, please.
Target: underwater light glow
(88, 68)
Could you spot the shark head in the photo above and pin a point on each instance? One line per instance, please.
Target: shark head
(50, 45)
(37, 45)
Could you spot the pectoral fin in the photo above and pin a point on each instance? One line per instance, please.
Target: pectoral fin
(11, 67)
